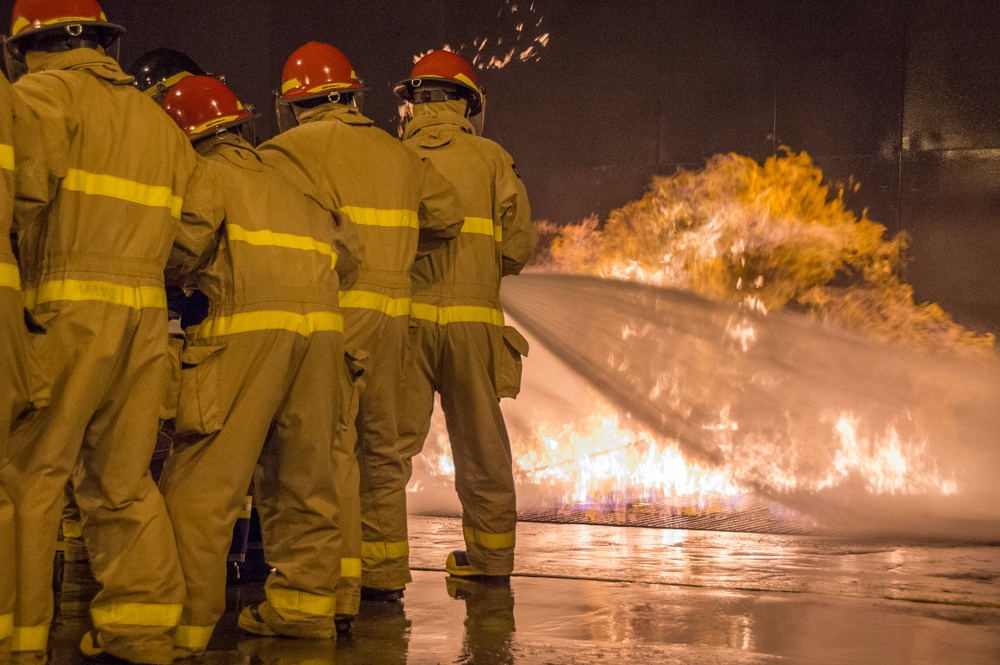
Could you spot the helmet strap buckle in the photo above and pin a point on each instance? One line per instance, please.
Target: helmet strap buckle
(74, 29)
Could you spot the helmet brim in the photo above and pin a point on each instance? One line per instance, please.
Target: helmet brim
(113, 30)
(219, 124)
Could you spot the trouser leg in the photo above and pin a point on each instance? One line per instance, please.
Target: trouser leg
(78, 586)
(44, 447)
(419, 385)
(345, 466)
(480, 446)
(205, 478)
(385, 550)
(7, 554)
(125, 522)
(14, 391)
(417, 402)
(298, 499)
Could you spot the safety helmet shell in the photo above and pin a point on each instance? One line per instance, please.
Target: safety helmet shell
(159, 70)
(202, 105)
(443, 66)
(32, 17)
(317, 70)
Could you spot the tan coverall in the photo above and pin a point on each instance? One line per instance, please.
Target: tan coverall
(402, 208)
(255, 385)
(457, 334)
(131, 196)
(19, 386)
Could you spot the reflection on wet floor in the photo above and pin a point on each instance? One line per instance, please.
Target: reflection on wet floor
(584, 594)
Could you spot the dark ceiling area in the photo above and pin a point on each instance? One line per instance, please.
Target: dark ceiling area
(901, 95)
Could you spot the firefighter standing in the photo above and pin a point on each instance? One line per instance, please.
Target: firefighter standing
(255, 386)
(94, 279)
(402, 208)
(458, 342)
(20, 178)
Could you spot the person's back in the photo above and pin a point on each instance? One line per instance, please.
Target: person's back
(130, 200)
(338, 156)
(125, 173)
(281, 251)
(497, 236)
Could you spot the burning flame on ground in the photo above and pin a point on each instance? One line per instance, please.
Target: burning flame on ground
(762, 237)
(608, 461)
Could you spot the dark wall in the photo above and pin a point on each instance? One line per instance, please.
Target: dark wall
(901, 94)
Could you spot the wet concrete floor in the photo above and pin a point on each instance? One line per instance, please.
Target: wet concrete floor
(591, 594)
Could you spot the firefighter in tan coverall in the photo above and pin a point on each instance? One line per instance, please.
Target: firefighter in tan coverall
(402, 208)
(459, 346)
(20, 177)
(131, 198)
(255, 386)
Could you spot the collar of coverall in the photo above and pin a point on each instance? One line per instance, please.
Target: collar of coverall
(79, 59)
(331, 111)
(430, 114)
(233, 149)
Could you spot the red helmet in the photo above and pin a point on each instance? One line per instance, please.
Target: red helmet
(202, 105)
(443, 66)
(31, 17)
(317, 70)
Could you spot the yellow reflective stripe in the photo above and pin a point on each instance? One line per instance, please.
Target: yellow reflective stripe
(302, 324)
(482, 226)
(23, 23)
(30, 638)
(300, 601)
(381, 550)
(375, 301)
(388, 218)
(72, 529)
(6, 157)
(284, 240)
(9, 276)
(247, 513)
(193, 637)
(492, 541)
(467, 81)
(136, 297)
(457, 314)
(97, 184)
(350, 567)
(6, 626)
(167, 83)
(211, 123)
(20, 24)
(135, 614)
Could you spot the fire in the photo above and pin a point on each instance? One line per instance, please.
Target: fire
(605, 460)
(764, 236)
(887, 464)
